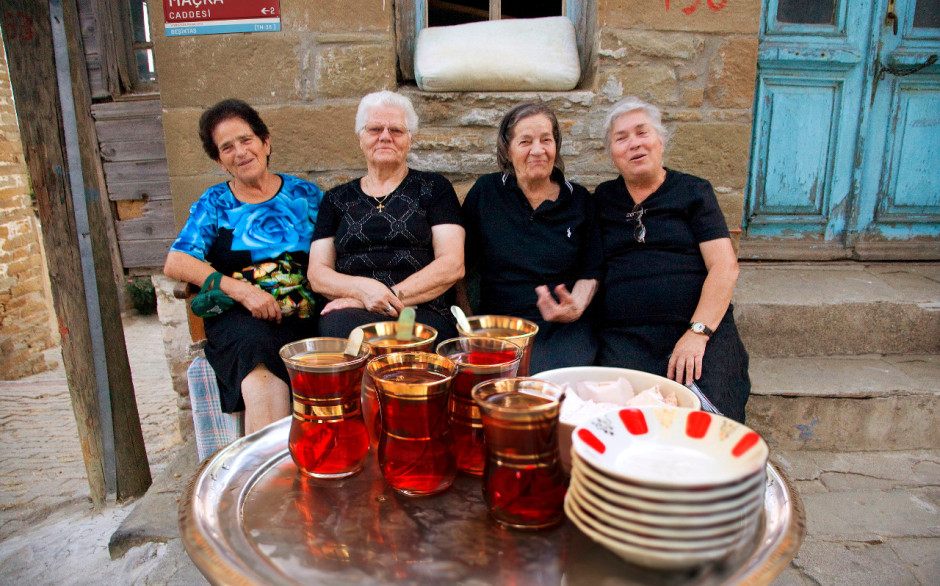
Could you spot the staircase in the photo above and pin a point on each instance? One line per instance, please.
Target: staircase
(845, 368)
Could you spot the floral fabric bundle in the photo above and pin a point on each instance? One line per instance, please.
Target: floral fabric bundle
(284, 279)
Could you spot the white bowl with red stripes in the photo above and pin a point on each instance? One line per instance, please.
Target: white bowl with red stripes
(671, 448)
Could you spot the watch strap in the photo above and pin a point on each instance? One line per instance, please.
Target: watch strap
(700, 328)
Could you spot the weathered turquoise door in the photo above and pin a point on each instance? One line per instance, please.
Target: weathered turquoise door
(847, 132)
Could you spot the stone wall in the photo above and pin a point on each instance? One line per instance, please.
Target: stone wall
(696, 59)
(27, 316)
(305, 81)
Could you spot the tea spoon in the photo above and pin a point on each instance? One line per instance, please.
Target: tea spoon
(461, 318)
(353, 343)
(406, 324)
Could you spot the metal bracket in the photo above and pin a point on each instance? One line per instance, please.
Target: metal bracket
(892, 17)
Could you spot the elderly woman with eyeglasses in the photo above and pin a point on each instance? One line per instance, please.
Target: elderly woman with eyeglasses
(390, 239)
(671, 268)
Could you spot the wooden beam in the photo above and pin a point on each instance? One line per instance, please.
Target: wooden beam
(27, 36)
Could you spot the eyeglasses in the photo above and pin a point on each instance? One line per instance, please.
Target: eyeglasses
(639, 232)
(375, 130)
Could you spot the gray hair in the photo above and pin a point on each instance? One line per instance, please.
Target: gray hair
(388, 99)
(632, 104)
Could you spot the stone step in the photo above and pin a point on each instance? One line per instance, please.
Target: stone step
(802, 309)
(852, 403)
(871, 517)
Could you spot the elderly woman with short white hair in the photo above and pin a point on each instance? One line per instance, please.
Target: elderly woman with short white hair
(390, 239)
(671, 268)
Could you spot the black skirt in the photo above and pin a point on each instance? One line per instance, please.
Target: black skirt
(725, 379)
(237, 343)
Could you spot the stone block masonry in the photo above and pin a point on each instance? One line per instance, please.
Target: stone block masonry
(26, 313)
(697, 61)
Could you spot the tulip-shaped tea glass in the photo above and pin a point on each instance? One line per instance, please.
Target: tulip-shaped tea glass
(523, 482)
(515, 329)
(381, 338)
(478, 359)
(328, 436)
(416, 446)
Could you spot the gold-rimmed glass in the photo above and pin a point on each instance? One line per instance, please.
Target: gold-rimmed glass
(524, 484)
(515, 329)
(381, 338)
(328, 436)
(478, 359)
(416, 446)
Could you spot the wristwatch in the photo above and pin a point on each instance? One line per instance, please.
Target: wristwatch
(700, 328)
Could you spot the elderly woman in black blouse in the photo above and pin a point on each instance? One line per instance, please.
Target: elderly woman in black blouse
(532, 236)
(671, 268)
(391, 238)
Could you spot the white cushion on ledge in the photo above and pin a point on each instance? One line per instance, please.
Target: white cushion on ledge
(498, 55)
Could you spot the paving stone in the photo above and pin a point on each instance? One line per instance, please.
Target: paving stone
(922, 556)
(149, 521)
(873, 515)
(841, 564)
(834, 471)
(790, 576)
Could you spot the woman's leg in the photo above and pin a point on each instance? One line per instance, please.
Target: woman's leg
(560, 345)
(267, 399)
(725, 378)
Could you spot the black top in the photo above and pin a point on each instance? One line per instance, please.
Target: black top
(516, 249)
(392, 244)
(659, 281)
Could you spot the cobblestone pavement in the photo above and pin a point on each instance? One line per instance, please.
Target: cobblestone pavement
(49, 533)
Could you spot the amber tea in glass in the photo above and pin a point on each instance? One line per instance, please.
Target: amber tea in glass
(524, 484)
(381, 338)
(328, 436)
(416, 446)
(478, 359)
(515, 329)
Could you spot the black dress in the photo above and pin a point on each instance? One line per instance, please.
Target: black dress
(651, 289)
(515, 249)
(231, 235)
(388, 245)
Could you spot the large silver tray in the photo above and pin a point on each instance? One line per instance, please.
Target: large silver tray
(249, 517)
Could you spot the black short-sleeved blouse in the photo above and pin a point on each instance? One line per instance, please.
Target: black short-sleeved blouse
(515, 248)
(394, 243)
(660, 280)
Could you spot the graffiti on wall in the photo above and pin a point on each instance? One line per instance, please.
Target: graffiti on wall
(715, 5)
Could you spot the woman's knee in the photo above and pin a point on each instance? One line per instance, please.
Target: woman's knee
(261, 383)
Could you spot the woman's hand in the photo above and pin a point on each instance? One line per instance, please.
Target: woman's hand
(570, 306)
(685, 364)
(184, 267)
(565, 310)
(261, 304)
(378, 298)
(342, 303)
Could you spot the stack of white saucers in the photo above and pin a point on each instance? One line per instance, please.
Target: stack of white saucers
(667, 487)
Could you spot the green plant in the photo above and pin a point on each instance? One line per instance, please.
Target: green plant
(142, 295)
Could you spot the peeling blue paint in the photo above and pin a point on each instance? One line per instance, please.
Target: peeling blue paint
(806, 431)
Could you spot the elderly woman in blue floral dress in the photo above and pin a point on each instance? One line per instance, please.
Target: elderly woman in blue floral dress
(254, 229)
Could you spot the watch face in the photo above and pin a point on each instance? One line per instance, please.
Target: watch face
(698, 327)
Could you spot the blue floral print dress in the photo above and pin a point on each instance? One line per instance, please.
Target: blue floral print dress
(231, 235)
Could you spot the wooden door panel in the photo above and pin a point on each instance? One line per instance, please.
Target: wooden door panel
(804, 118)
(913, 191)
